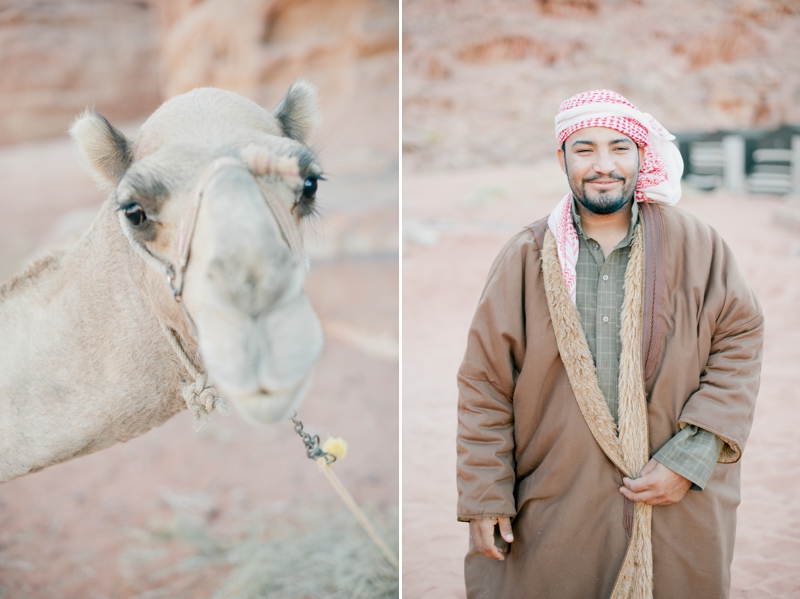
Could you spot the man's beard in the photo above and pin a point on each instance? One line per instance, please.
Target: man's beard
(604, 202)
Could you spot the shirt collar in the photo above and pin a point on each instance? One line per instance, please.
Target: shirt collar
(576, 218)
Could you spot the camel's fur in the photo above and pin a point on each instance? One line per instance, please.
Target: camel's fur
(84, 362)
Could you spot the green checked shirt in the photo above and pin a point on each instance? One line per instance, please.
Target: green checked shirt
(693, 451)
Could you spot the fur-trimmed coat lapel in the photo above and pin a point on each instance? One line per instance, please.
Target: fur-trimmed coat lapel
(627, 444)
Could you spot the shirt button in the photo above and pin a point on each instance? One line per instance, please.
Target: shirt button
(605, 318)
(605, 277)
(597, 246)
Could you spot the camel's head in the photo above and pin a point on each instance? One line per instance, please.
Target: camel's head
(219, 180)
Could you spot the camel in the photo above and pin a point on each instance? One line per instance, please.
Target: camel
(187, 289)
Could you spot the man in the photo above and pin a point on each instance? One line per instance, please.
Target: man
(609, 383)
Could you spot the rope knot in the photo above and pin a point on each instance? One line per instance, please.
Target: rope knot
(203, 398)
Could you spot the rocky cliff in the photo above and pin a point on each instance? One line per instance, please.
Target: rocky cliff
(126, 56)
(483, 79)
(57, 57)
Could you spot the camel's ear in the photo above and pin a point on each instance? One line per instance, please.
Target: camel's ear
(298, 112)
(104, 151)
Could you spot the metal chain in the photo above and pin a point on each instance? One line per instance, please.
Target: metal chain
(313, 450)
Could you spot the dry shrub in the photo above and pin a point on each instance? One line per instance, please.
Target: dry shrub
(313, 553)
(726, 44)
(329, 557)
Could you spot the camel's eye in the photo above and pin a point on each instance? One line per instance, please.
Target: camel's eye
(310, 188)
(305, 203)
(135, 214)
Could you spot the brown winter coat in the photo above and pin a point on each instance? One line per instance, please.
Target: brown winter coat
(525, 449)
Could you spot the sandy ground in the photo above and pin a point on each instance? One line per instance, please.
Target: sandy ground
(454, 225)
(103, 526)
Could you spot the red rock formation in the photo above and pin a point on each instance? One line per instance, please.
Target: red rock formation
(125, 56)
(568, 7)
(482, 79)
(242, 44)
(726, 43)
(57, 57)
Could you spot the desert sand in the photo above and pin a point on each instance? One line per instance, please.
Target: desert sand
(454, 225)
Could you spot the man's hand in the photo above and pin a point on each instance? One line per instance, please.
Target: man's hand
(482, 532)
(656, 485)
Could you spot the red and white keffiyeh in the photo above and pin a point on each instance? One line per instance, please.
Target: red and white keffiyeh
(660, 173)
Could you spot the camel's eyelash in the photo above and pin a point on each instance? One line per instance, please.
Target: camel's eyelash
(305, 209)
(311, 211)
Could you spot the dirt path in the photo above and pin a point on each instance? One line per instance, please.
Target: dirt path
(455, 224)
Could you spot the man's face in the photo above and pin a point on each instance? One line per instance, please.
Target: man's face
(601, 165)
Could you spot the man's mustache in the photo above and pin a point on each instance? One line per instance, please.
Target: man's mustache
(616, 176)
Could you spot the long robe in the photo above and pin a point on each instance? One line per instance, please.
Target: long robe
(525, 449)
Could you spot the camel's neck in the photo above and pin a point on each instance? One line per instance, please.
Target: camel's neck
(83, 361)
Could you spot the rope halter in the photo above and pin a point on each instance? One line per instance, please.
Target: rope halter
(200, 395)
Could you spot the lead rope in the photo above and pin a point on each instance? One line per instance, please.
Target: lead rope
(334, 450)
(200, 396)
